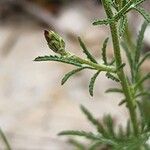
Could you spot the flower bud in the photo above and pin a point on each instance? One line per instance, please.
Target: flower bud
(55, 42)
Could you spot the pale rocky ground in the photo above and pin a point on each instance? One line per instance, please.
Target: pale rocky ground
(34, 107)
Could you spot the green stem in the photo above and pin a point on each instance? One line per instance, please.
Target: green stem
(96, 66)
(123, 10)
(125, 85)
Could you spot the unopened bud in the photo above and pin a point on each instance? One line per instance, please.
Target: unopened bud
(55, 42)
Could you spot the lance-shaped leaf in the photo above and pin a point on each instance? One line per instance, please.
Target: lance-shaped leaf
(112, 62)
(142, 94)
(144, 78)
(95, 145)
(92, 82)
(69, 74)
(122, 102)
(128, 54)
(94, 121)
(85, 50)
(122, 25)
(109, 125)
(59, 59)
(88, 135)
(77, 144)
(104, 57)
(114, 90)
(144, 112)
(138, 2)
(121, 133)
(142, 11)
(4, 139)
(147, 55)
(102, 22)
(140, 43)
(128, 128)
(112, 77)
(120, 67)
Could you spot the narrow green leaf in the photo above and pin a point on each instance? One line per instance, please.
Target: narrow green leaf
(3, 137)
(101, 22)
(144, 78)
(142, 11)
(94, 121)
(140, 43)
(92, 82)
(112, 77)
(69, 74)
(89, 116)
(114, 90)
(85, 50)
(112, 62)
(139, 2)
(122, 102)
(104, 57)
(120, 67)
(144, 112)
(121, 134)
(88, 135)
(122, 25)
(128, 128)
(95, 145)
(109, 124)
(147, 55)
(142, 94)
(128, 55)
(77, 144)
(59, 59)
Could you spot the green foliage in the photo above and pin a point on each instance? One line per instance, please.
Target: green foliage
(78, 145)
(88, 135)
(5, 141)
(107, 135)
(94, 121)
(112, 77)
(140, 43)
(122, 25)
(68, 75)
(59, 59)
(92, 82)
(114, 90)
(122, 102)
(145, 14)
(141, 80)
(85, 50)
(147, 55)
(104, 56)
(129, 57)
(135, 96)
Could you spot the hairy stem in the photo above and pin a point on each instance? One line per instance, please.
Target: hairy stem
(125, 85)
(96, 66)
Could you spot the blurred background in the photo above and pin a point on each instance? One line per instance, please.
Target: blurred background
(33, 105)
